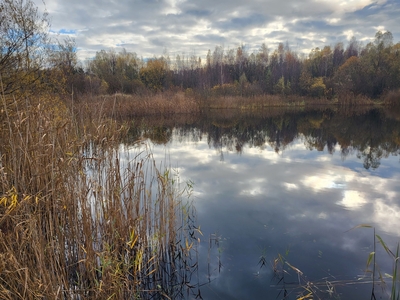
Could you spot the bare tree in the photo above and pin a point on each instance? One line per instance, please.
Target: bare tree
(23, 42)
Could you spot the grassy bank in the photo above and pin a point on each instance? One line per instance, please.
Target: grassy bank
(82, 218)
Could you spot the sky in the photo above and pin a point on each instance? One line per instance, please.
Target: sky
(156, 27)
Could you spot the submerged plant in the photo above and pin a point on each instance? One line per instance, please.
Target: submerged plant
(393, 277)
(215, 249)
(291, 280)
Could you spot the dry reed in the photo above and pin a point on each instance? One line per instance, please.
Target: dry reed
(171, 104)
(83, 218)
(350, 99)
(392, 98)
(126, 106)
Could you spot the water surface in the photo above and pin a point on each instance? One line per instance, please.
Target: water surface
(288, 185)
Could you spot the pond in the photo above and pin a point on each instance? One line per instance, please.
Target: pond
(280, 196)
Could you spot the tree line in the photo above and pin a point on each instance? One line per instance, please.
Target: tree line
(369, 70)
(28, 57)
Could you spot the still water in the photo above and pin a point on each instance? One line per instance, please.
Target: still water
(278, 195)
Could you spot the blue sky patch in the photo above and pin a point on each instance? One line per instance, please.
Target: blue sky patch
(66, 31)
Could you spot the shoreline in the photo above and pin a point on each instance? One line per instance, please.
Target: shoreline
(125, 105)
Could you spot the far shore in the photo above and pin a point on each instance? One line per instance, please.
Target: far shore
(126, 105)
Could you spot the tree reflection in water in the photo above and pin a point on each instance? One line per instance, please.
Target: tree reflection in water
(371, 134)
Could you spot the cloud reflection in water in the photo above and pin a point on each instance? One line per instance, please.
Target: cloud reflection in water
(263, 200)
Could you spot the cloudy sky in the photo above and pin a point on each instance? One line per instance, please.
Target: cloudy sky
(153, 27)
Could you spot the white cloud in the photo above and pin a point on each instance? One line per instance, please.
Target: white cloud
(148, 27)
(333, 20)
(348, 33)
(290, 186)
(352, 199)
(387, 215)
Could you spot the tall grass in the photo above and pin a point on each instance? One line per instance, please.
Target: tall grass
(172, 103)
(392, 98)
(124, 106)
(83, 218)
(349, 99)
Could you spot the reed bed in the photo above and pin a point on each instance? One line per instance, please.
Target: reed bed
(349, 99)
(172, 103)
(126, 106)
(251, 102)
(82, 217)
(289, 101)
(392, 98)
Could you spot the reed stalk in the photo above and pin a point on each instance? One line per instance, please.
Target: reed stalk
(82, 217)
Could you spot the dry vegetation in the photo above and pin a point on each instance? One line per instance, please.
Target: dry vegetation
(168, 104)
(391, 98)
(81, 218)
(124, 106)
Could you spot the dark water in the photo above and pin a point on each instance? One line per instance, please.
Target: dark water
(277, 194)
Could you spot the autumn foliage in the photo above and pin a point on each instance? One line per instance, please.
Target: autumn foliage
(330, 73)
